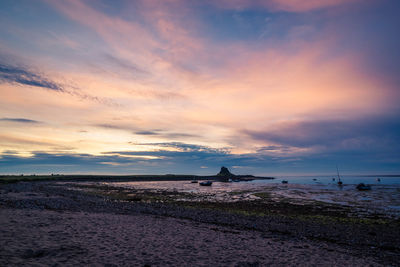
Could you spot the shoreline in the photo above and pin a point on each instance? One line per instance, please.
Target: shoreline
(5, 179)
(377, 240)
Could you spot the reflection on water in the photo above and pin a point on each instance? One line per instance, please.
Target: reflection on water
(383, 198)
(350, 180)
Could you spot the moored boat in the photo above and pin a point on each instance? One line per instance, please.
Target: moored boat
(206, 183)
(363, 187)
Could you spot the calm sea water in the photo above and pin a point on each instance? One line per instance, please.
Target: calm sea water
(328, 180)
(383, 198)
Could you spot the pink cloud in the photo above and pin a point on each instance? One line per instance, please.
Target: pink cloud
(258, 88)
(303, 6)
(161, 41)
(283, 5)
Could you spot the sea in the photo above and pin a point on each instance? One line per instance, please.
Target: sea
(383, 198)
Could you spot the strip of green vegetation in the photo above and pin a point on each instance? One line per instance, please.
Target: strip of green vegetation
(323, 219)
(123, 194)
(347, 220)
(224, 207)
(235, 193)
(263, 195)
(279, 210)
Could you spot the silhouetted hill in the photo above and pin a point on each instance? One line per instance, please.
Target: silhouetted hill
(225, 172)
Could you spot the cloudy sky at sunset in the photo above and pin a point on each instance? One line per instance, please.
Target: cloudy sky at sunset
(186, 86)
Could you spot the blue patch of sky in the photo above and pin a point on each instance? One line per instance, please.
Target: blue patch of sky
(37, 28)
(124, 9)
(230, 25)
(109, 7)
(31, 14)
(226, 25)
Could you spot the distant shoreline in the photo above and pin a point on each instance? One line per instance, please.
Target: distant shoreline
(118, 178)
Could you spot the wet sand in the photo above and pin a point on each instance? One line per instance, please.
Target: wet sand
(45, 225)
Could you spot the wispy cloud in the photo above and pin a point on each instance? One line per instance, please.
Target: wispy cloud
(112, 126)
(147, 133)
(166, 134)
(124, 65)
(283, 5)
(184, 147)
(23, 76)
(21, 120)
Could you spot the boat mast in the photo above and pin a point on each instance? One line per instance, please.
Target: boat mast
(337, 169)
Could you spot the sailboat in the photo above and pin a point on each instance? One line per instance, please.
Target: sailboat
(338, 175)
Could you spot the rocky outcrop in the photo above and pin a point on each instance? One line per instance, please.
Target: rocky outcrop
(224, 174)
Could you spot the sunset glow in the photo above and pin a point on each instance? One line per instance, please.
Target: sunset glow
(180, 86)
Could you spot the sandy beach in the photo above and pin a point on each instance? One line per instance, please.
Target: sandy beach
(47, 225)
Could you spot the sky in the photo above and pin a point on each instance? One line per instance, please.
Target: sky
(271, 87)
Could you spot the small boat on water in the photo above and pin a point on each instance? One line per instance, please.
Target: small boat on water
(284, 182)
(378, 179)
(340, 183)
(206, 183)
(363, 187)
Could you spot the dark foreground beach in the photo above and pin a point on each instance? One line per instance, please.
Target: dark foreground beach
(51, 223)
